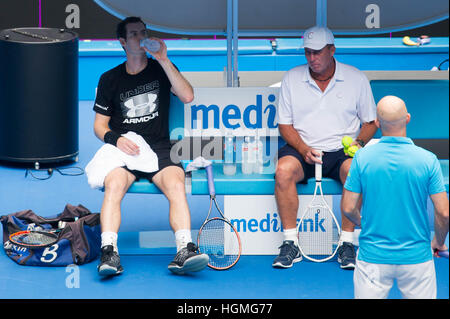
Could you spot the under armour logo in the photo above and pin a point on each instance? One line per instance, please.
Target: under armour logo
(140, 105)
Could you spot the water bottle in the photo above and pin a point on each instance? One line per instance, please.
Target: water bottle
(151, 45)
(229, 148)
(247, 165)
(258, 149)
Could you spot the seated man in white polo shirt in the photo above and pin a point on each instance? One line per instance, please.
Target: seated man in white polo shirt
(320, 102)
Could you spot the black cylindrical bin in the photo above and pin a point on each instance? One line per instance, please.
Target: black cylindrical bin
(38, 95)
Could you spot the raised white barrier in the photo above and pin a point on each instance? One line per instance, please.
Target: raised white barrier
(258, 223)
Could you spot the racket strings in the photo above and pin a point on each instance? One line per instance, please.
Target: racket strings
(318, 233)
(218, 209)
(34, 239)
(219, 240)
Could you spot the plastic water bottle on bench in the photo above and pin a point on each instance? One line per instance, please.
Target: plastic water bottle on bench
(247, 158)
(258, 149)
(229, 147)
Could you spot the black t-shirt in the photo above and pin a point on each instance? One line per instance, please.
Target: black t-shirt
(137, 103)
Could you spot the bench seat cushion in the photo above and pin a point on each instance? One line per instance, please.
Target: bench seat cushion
(254, 184)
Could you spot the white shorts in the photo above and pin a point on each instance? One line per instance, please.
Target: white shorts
(374, 281)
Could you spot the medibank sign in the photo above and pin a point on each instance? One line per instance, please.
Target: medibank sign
(242, 110)
(257, 220)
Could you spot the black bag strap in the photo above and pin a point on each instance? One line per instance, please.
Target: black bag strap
(74, 232)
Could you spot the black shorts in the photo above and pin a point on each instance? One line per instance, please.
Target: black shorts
(164, 161)
(332, 162)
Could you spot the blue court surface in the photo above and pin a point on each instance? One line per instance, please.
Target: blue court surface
(146, 275)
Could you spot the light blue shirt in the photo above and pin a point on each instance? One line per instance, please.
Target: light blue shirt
(395, 178)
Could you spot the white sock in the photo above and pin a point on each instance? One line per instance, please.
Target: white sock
(182, 238)
(346, 236)
(110, 238)
(291, 234)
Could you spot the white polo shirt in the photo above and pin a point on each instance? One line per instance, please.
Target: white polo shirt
(322, 119)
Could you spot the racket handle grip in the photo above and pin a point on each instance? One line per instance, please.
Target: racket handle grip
(209, 176)
(319, 169)
(443, 253)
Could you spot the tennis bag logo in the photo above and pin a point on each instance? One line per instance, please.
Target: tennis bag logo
(55, 255)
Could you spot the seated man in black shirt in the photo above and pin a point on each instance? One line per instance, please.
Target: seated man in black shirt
(135, 96)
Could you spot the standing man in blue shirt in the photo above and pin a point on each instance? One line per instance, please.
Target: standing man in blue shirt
(395, 178)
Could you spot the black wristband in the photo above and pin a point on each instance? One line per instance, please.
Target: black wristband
(360, 142)
(111, 137)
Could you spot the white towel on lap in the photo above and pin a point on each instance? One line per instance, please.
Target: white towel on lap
(109, 157)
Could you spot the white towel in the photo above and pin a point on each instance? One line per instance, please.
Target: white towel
(198, 162)
(109, 157)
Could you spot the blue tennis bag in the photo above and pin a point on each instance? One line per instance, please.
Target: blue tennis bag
(78, 240)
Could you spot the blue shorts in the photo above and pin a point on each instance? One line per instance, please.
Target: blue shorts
(332, 162)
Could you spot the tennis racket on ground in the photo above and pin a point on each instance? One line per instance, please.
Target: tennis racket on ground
(217, 237)
(34, 238)
(318, 229)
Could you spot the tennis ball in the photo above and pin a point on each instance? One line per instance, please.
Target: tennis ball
(346, 141)
(352, 150)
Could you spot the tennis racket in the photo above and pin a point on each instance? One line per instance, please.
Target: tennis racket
(441, 253)
(217, 237)
(318, 229)
(34, 238)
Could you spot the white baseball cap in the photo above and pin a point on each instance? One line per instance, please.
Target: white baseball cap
(316, 38)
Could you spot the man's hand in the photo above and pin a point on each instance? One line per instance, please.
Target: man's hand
(161, 54)
(312, 156)
(436, 246)
(127, 146)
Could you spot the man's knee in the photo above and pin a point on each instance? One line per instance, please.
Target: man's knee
(344, 169)
(288, 171)
(177, 186)
(117, 182)
(171, 182)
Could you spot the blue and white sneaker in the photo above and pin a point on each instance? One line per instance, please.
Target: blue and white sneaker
(188, 259)
(346, 256)
(289, 254)
(109, 262)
